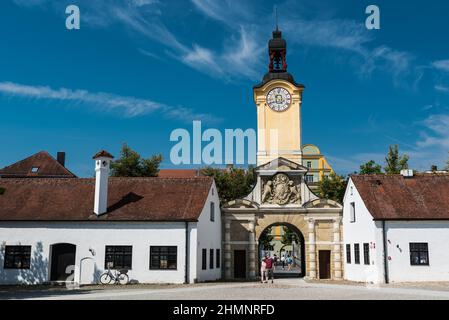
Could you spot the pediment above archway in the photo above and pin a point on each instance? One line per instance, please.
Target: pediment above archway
(281, 165)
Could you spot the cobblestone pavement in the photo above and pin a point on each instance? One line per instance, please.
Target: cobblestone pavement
(282, 289)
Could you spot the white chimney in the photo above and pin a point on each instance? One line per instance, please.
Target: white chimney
(407, 173)
(102, 168)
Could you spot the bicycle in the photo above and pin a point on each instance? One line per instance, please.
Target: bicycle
(120, 277)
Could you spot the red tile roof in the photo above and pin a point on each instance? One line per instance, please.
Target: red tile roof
(47, 167)
(393, 197)
(129, 199)
(179, 173)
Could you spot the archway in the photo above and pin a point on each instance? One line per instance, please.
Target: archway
(62, 256)
(285, 242)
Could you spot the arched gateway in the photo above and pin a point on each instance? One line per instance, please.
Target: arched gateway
(281, 194)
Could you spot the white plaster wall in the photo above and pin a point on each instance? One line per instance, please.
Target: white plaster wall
(363, 230)
(209, 237)
(95, 235)
(401, 233)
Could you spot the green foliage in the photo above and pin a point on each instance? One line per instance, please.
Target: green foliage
(232, 183)
(266, 238)
(289, 236)
(394, 162)
(131, 164)
(333, 187)
(371, 167)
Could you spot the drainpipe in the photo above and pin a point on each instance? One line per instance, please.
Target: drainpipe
(186, 275)
(384, 234)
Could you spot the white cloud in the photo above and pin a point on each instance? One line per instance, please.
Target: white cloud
(442, 88)
(442, 65)
(122, 105)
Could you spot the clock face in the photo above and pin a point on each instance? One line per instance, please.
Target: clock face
(279, 99)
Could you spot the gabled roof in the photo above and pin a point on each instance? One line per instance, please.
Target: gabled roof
(45, 164)
(129, 199)
(394, 197)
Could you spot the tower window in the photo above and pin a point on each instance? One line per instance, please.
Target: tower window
(309, 164)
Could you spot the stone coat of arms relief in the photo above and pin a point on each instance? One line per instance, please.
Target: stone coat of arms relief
(281, 190)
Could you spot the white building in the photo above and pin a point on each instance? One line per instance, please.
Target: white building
(396, 228)
(162, 230)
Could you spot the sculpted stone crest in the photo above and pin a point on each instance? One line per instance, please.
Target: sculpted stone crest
(280, 190)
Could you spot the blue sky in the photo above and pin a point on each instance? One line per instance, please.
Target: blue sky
(138, 69)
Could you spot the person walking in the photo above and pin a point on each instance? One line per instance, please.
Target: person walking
(289, 263)
(283, 261)
(269, 265)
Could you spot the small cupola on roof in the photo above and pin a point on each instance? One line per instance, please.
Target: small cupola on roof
(277, 50)
(277, 67)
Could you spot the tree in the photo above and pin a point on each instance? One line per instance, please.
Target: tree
(131, 164)
(232, 183)
(333, 187)
(394, 162)
(289, 236)
(266, 238)
(371, 167)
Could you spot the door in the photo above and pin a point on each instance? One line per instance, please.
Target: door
(325, 264)
(239, 264)
(62, 256)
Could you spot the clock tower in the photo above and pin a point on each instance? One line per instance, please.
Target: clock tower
(278, 100)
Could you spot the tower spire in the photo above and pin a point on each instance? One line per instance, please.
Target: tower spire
(276, 17)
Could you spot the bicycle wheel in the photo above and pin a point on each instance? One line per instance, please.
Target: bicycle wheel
(105, 278)
(123, 278)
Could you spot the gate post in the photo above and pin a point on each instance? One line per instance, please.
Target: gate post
(337, 250)
(252, 249)
(312, 249)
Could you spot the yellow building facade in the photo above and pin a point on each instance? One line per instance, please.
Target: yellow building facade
(316, 163)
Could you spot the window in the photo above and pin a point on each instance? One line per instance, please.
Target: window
(118, 257)
(352, 191)
(309, 178)
(309, 164)
(17, 257)
(352, 208)
(212, 211)
(34, 169)
(162, 257)
(211, 259)
(356, 253)
(218, 258)
(366, 253)
(204, 259)
(419, 254)
(348, 253)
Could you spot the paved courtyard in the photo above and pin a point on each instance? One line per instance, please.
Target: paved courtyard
(281, 289)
